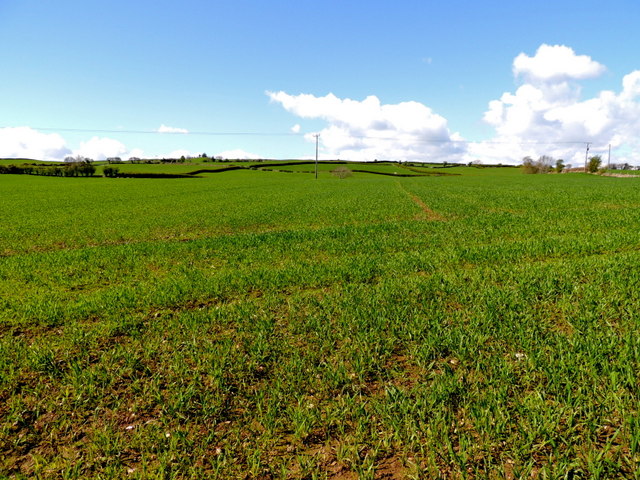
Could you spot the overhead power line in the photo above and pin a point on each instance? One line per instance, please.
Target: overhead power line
(292, 134)
(159, 132)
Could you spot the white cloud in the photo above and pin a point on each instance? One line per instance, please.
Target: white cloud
(542, 115)
(368, 130)
(238, 154)
(166, 129)
(25, 142)
(136, 152)
(100, 148)
(546, 113)
(178, 153)
(556, 63)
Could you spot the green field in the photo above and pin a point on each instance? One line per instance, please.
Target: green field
(261, 324)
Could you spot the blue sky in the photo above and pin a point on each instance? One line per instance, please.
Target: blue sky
(113, 68)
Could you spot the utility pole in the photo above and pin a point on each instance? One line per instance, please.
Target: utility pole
(609, 159)
(317, 135)
(586, 156)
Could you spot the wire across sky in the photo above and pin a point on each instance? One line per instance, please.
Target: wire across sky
(293, 134)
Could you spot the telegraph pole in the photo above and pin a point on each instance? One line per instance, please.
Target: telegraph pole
(609, 159)
(317, 135)
(586, 156)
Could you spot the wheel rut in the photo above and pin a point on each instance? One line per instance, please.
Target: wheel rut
(427, 213)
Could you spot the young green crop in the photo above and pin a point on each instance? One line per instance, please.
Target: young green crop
(266, 325)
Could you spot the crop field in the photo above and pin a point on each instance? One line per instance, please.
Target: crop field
(263, 324)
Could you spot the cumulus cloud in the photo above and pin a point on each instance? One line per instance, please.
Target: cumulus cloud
(101, 148)
(367, 129)
(238, 154)
(25, 142)
(544, 115)
(181, 152)
(553, 63)
(166, 129)
(136, 152)
(547, 115)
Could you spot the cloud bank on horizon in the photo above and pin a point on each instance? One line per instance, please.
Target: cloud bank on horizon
(546, 114)
(546, 108)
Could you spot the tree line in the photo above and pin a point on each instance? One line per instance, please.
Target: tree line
(547, 164)
(84, 168)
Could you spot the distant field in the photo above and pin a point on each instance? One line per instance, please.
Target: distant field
(387, 168)
(158, 168)
(261, 324)
(18, 161)
(294, 166)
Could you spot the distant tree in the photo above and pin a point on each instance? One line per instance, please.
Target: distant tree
(542, 165)
(88, 169)
(71, 170)
(342, 171)
(559, 165)
(594, 164)
(16, 169)
(545, 163)
(528, 165)
(110, 172)
(621, 166)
